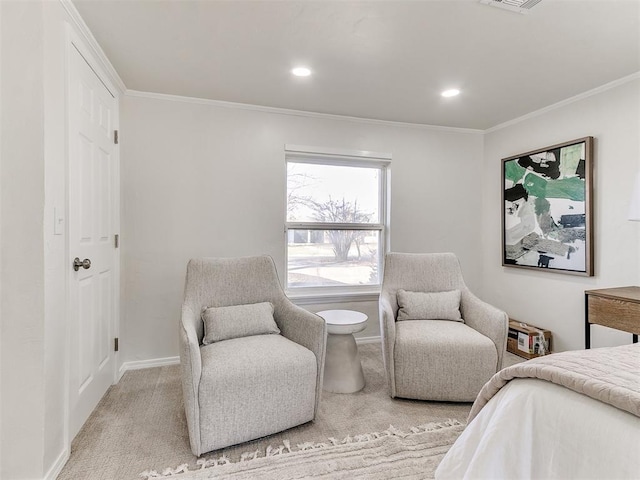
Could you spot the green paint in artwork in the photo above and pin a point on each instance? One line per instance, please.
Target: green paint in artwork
(572, 188)
(513, 171)
(542, 205)
(535, 186)
(569, 158)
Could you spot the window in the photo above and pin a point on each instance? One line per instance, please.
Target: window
(336, 221)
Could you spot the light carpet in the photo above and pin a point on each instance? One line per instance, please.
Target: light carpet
(392, 453)
(140, 424)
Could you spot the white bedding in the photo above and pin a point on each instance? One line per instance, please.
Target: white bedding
(533, 429)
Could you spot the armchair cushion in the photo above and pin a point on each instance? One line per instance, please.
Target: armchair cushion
(442, 360)
(225, 323)
(254, 386)
(429, 306)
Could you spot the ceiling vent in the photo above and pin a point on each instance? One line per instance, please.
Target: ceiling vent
(520, 6)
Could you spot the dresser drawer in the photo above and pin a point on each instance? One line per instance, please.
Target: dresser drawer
(616, 314)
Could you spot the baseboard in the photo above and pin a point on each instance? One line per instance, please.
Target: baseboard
(364, 340)
(150, 363)
(162, 362)
(58, 465)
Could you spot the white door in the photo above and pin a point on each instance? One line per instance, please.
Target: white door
(92, 221)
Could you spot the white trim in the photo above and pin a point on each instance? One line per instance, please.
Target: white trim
(333, 226)
(563, 103)
(365, 340)
(58, 465)
(326, 298)
(338, 152)
(90, 42)
(337, 158)
(298, 113)
(93, 61)
(150, 363)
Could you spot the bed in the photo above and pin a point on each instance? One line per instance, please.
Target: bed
(567, 415)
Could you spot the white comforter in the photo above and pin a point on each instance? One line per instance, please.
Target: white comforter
(533, 429)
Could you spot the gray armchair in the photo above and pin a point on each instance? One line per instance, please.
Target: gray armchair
(439, 360)
(240, 389)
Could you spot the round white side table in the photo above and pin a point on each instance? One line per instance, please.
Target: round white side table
(342, 367)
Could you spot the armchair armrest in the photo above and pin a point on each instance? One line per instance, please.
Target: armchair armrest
(306, 329)
(488, 320)
(388, 334)
(191, 366)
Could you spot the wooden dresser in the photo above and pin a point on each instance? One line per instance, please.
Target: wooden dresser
(617, 308)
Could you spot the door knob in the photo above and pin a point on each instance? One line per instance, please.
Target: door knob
(77, 263)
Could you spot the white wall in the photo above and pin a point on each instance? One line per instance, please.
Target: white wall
(556, 301)
(205, 180)
(34, 265)
(1, 226)
(22, 272)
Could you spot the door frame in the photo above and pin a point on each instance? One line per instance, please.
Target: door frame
(73, 41)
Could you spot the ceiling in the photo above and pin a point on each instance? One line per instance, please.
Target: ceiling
(386, 60)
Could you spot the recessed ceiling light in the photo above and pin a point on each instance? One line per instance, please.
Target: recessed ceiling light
(301, 72)
(451, 92)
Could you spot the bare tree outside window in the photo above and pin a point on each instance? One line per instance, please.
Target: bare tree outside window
(341, 211)
(333, 224)
(296, 182)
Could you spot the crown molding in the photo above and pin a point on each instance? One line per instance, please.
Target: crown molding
(438, 128)
(99, 54)
(568, 101)
(297, 113)
(94, 46)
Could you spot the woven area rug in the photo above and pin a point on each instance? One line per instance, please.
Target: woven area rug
(412, 454)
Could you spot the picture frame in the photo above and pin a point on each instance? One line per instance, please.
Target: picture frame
(547, 202)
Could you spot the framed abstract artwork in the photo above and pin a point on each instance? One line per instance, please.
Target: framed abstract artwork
(547, 208)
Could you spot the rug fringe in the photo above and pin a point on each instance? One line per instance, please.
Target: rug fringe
(285, 448)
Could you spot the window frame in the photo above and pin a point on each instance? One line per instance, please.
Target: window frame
(340, 158)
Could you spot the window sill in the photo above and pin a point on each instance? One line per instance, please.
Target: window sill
(315, 298)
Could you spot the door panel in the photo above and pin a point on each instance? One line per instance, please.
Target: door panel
(105, 314)
(85, 183)
(92, 183)
(104, 196)
(85, 328)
